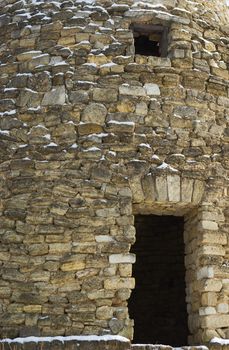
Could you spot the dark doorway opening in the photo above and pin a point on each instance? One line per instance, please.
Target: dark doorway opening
(157, 303)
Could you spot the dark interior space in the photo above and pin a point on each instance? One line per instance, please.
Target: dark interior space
(157, 303)
(144, 46)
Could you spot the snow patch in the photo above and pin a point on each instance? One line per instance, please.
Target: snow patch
(64, 339)
(220, 340)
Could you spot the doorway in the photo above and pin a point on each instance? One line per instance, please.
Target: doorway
(157, 303)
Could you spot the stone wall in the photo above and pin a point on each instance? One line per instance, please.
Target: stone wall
(91, 134)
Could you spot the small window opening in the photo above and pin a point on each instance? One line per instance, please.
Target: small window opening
(150, 40)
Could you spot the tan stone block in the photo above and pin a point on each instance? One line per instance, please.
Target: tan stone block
(67, 40)
(209, 299)
(27, 43)
(212, 250)
(59, 248)
(211, 285)
(104, 313)
(32, 308)
(73, 265)
(198, 191)
(125, 270)
(215, 321)
(118, 283)
(213, 238)
(136, 188)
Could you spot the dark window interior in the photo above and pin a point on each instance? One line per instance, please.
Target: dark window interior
(157, 303)
(150, 40)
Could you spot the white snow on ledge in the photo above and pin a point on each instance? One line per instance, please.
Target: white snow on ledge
(220, 341)
(65, 339)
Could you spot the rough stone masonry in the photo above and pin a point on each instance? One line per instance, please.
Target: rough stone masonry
(91, 134)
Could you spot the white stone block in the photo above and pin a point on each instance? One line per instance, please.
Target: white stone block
(132, 90)
(122, 258)
(222, 308)
(209, 310)
(173, 188)
(205, 272)
(208, 225)
(152, 89)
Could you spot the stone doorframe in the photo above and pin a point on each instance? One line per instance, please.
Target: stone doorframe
(173, 194)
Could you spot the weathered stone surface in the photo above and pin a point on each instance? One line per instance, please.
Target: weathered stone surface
(94, 113)
(54, 97)
(91, 134)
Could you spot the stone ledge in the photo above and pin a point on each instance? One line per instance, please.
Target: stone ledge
(67, 343)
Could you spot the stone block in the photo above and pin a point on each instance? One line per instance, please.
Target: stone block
(186, 190)
(209, 299)
(222, 308)
(122, 258)
(174, 188)
(94, 113)
(132, 90)
(208, 225)
(148, 186)
(211, 285)
(161, 189)
(205, 272)
(152, 89)
(56, 96)
(215, 321)
(105, 95)
(119, 283)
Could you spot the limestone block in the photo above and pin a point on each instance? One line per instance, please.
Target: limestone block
(174, 194)
(125, 270)
(56, 96)
(212, 285)
(32, 308)
(26, 56)
(161, 189)
(122, 258)
(94, 113)
(104, 313)
(209, 299)
(215, 321)
(105, 95)
(79, 96)
(137, 191)
(39, 60)
(212, 250)
(197, 191)
(89, 128)
(205, 272)
(132, 90)
(148, 186)
(119, 283)
(187, 190)
(208, 225)
(213, 238)
(152, 89)
(59, 248)
(207, 311)
(74, 265)
(223, 308)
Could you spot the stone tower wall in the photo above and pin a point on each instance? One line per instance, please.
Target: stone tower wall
(91, 134)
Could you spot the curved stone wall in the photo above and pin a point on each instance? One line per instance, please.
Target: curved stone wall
(90, 134)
